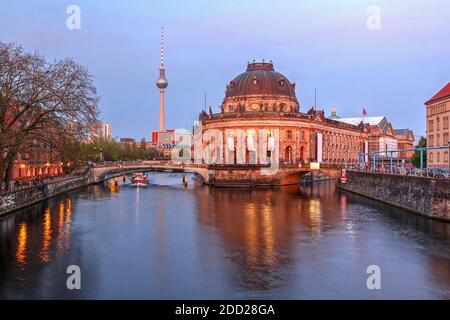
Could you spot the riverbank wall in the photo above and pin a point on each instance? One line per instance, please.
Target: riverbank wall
(425, 196)
(15, 200)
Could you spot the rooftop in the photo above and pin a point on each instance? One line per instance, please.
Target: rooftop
(373, 121)
(443, 93)
(407, 132)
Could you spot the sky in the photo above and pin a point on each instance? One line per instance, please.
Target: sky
(391, 70)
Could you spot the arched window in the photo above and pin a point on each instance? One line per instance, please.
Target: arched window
(288, 155)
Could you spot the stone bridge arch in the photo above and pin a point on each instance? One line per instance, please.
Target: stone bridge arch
(230, 176)
(100, 174)
(260, 175)
(293, 176)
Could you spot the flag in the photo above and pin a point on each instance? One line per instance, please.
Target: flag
(364, 112)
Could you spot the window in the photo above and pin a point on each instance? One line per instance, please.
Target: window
(446, 156)
(430, 125)
(289, 134)
(438, 158)
(438, 139)
(445, 140)
(437, 123)
(445, 123)
(431, 156)
(430, 143)
(302, 135)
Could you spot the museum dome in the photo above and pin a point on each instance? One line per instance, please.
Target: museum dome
(260, 78)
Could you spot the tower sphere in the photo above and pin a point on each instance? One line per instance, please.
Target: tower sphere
(162, 83)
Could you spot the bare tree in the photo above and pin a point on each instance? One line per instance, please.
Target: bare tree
(40, 102)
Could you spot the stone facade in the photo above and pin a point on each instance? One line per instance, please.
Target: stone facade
(405, 140)
(426, 196)
(15, 200)
(261, 123)
(438, 128)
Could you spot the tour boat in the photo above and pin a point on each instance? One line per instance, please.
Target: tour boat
(139, 179)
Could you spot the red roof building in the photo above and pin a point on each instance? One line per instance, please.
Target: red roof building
(442, 94)
(438, 128)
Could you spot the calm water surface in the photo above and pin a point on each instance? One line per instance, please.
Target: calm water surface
(168, 241)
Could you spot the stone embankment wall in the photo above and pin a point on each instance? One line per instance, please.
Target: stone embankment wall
(426, 196)
(14, 200)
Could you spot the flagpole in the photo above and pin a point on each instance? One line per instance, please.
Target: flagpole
(315, 99)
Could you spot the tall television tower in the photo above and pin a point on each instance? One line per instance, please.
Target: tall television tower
(161, 83)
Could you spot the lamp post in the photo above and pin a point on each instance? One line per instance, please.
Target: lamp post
(448, 156)
(421, 159)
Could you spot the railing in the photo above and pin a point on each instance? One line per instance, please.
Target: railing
(33, 182)
(434, 173)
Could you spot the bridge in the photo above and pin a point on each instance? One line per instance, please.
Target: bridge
(101, 173)
(241, 175)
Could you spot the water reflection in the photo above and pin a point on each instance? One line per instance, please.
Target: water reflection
(172, 241)
(260, 229)
(22, 244)
(47, 236)
(64, 221)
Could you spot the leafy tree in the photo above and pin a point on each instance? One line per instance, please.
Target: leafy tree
(40, 103)
(415, 160)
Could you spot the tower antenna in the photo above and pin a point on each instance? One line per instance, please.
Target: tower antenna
(162, 47)
(161, 83)
(315, 99)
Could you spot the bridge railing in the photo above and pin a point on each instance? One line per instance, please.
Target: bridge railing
(436, 173)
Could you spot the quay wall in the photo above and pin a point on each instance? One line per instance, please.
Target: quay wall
(425, 196)
(15, 200)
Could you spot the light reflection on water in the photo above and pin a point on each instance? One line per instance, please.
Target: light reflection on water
(172, 241)
(21, 244)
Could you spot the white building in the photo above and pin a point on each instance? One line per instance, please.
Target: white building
(381, 133)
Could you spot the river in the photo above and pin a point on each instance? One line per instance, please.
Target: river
(168, 241)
